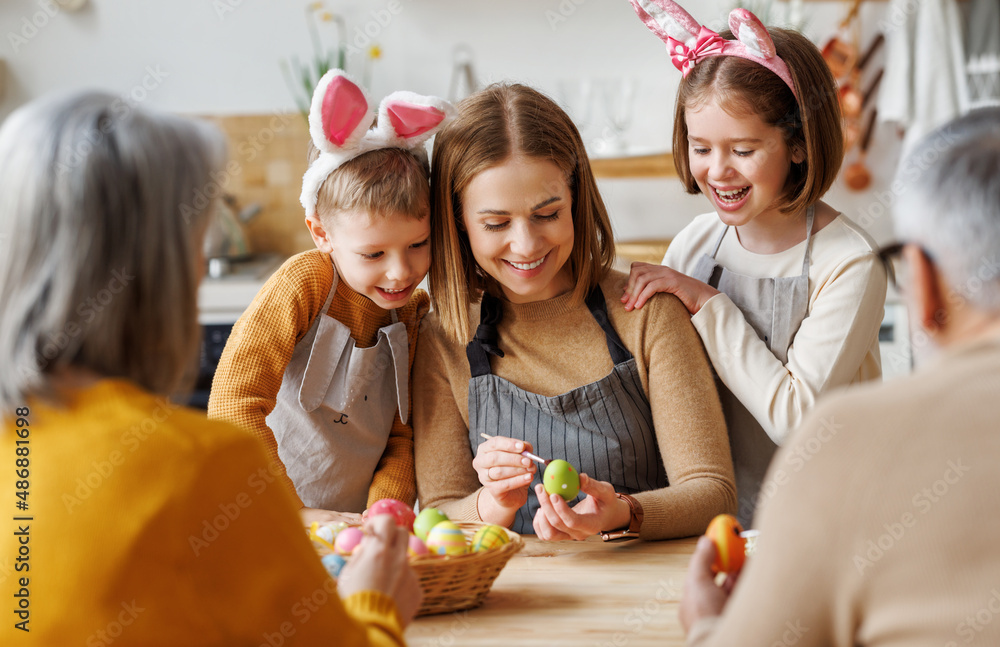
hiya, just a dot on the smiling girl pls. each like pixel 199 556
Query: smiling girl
pixel 786 293
pixel 528 344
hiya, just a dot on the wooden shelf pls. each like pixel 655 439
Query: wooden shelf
pixel 638 166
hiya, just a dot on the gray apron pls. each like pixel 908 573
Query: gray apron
pixel 774 308
pixel 335 409
pixel 604 429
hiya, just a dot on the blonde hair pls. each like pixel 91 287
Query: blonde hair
pixel 811 123
pixel 492 126
pixel 102 211
pixel 384 181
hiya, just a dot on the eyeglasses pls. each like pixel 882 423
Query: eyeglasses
pixel 892 257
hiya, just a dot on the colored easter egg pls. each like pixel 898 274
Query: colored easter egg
pixel 730 547
pixel 446 539
pixel 427 519
pixel 560 478
pixel 488 538
pixel 326 533
pixel 416 547
pixel 402 513
pixel 334 564
pixel 347 540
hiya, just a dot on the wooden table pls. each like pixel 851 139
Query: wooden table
pixel 579 594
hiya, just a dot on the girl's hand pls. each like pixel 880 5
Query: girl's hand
pixel 309 515
pixel 601 510
pixel 505 475
pixel 702 598
pixel 646 279
pixel 380 564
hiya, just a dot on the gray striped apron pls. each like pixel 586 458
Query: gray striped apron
pixel 774 307
pixel 604 429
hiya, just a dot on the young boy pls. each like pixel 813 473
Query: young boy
pixel 318 366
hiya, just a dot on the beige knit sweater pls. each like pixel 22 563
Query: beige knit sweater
pixel 882 525
pixel 554 346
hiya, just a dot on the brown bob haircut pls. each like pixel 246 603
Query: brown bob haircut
pixel 811 123
pixel 384 181
pixel 492 126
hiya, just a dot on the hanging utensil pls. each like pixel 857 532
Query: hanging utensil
pixel 857 176
pixel 463 78
pixel 851 126
pixel 851 96
pixel 841 51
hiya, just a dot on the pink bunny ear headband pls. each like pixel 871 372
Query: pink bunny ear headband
pixel 689 43
pixel 339 121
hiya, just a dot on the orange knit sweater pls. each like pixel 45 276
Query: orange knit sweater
pixel 253 363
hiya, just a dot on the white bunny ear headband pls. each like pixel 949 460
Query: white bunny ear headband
pixel 339 120
pixel 689 43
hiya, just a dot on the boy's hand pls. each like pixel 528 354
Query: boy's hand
pixel 323 517
pixel 646 279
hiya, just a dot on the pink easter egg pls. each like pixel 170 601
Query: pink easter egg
pixel 347 540
pixel 402 513
pixel 416 548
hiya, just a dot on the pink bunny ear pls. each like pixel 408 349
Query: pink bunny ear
pixel 409 120
pixel 340 113
pixel 667 19
pixel 752 33
pixel 755 44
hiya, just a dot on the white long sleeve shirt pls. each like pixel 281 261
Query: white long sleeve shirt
pixel 837 343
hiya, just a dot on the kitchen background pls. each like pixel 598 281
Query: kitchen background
pixel 222 59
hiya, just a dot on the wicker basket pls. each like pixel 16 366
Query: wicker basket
pixel 453 583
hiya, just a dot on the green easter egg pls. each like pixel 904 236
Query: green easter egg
pixel 488 538
pixel 427 519
pixel 560 478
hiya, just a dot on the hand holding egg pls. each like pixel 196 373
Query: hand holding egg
pixel 600 510
pixel 381 564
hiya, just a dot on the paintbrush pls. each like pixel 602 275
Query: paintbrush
pixel 538 459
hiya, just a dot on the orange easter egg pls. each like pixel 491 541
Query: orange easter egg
pixel 730 548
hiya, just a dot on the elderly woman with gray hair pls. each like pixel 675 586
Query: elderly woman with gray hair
pixel 135 517
pixel 881 523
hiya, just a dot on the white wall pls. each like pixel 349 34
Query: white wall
pixel 221 57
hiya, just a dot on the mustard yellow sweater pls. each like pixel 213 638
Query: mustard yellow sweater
pixel 253 363
pixel 151 525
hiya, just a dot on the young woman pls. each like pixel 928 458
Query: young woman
pixel 522 251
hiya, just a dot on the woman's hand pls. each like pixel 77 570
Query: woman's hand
pixel 646 279
pixel 506 477
pixel 703 598
pixel 323 517
pixel 601 510
pixel 380 564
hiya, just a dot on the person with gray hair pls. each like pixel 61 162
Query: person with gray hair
pixel 137 519
pixel 879 526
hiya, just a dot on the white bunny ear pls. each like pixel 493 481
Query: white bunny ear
pixel 407 120
pixel 340 113
pixel 667 19
pixel 752 33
